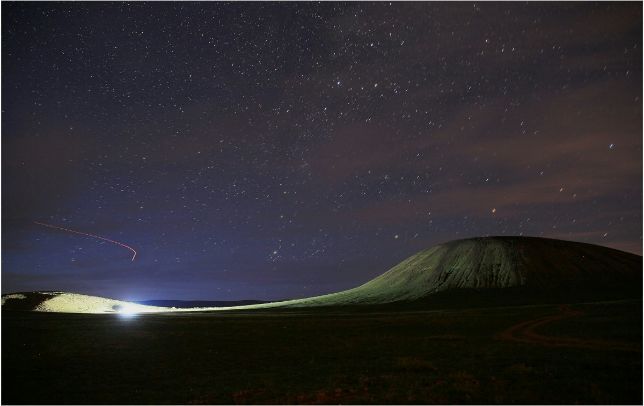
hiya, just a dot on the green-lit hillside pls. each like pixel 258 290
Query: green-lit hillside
pixel 537 264
pixel 492 264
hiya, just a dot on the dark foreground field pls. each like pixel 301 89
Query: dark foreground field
pixel 579 353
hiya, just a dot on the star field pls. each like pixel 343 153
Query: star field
pixel 278 150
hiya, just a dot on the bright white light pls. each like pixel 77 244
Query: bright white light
pixel 128 312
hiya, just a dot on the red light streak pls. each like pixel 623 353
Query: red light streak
pixel 89 235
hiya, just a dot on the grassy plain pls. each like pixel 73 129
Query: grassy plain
pixel 383 354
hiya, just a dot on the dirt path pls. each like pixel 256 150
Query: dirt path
pixel 525 332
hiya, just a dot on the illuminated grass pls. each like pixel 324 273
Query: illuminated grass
pixel 13 296
pixel 542 265
pixel 75 303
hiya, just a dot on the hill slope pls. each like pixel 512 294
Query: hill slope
pixel 538 266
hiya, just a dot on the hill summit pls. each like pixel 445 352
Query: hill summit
pixel 493 263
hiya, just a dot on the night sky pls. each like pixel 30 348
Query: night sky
pixel 278 150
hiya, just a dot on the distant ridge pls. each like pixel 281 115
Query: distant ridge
pixel 200 303
pixel 506 269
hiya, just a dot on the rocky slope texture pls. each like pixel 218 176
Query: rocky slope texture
pixel 479 264
pixel 535 264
